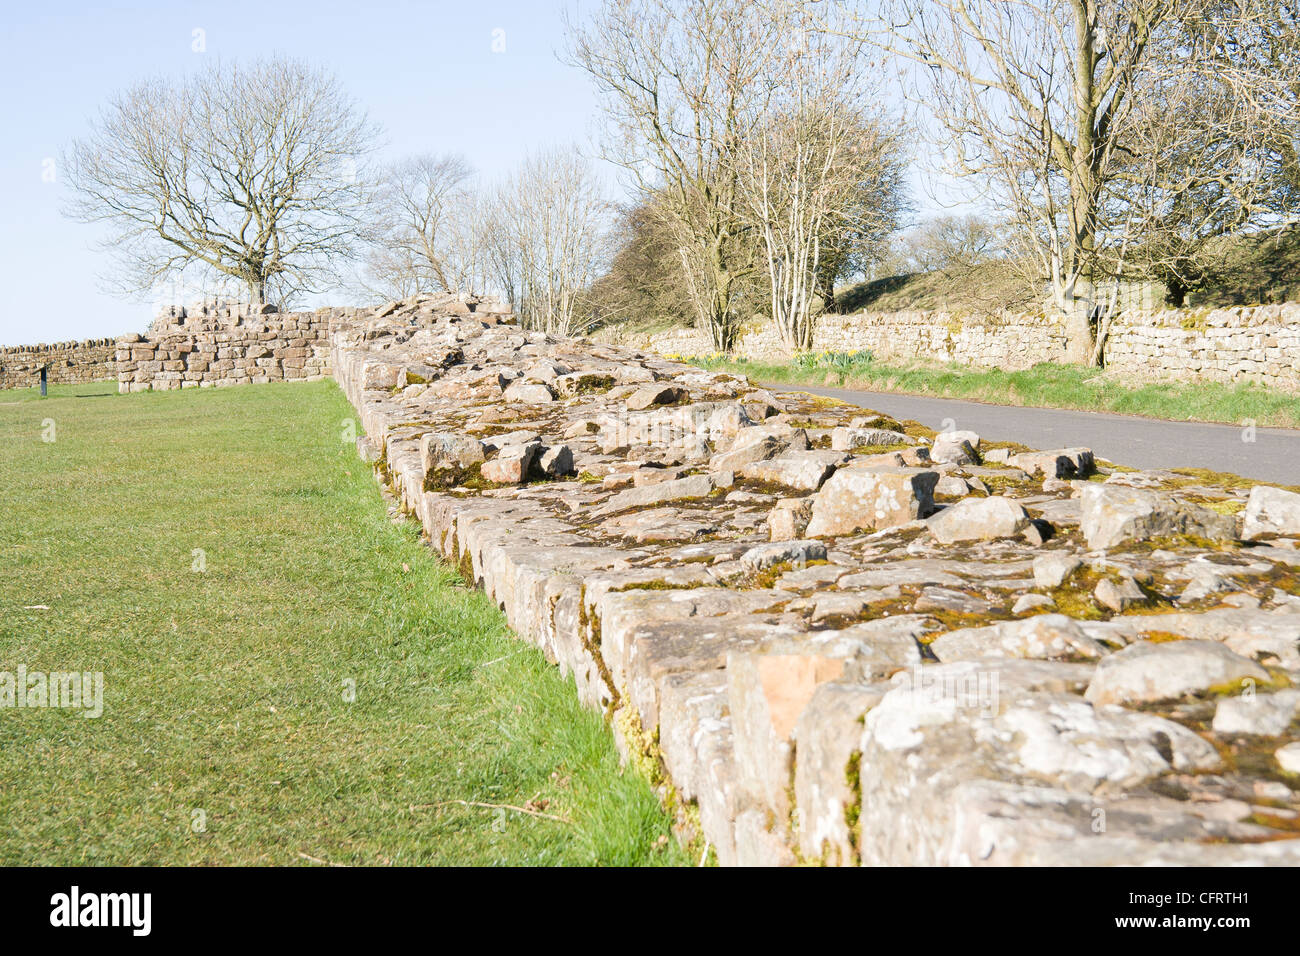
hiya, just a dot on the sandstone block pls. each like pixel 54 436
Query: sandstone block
pixel 800 470
pixel 800 552
pixel 1265 715
pixel 697 486
pixel 1144 672
pixel 827 769
pixel 655 393
pixel 1113 514
pixel 770 446
pixel 1051 570
pixel 528 393
pixel 767 692
pixel 1288 758
pixel 556 461
pixel 1271 511
pixel 862 499
pixel 953 451
pixel 1061 463
pixel 511 465
pixel 850 439
pixel 449 454
pixel 979 519
pixel 789 518
pixel 1042 637
pixel 1119 595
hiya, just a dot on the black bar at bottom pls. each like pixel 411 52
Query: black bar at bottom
pixel 333 906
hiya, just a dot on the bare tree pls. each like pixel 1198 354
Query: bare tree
pixel 419 212
pixel 246 173
pixel 1228 163
pixel 550 239
pixel 469 240
pixel 391 273
pixel 872 212
pixel 1049 102
pixel 681 83
pixel 644 283
pixel 953 245
pixel 1275 48
pixel 817 166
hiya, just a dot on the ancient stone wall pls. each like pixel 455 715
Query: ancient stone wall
pixel 1258 343
pixel 220 350
pixel 1002 341
pixel 68 363
pixel 842 640
pixel 217 345
pixel 1255 344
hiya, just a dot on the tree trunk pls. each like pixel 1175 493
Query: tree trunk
pixel 1078 337
pixel 722 330
pixel 1097 357
pixel 827 293
pixel 721 326
pixel 1074 311
pixel 1083 181
pixel 806 335
pixel 1176 292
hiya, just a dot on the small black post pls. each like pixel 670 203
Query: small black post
pixel 44 372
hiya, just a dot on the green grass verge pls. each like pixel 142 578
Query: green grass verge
pixel 990 287
pixel 226 736
pixel 1045 386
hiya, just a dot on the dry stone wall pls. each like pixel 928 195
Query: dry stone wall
pixel 222 350
pixel 849 640
pixel 1003 341
pixel 67 363
pixel 218 345
pixel 1257 344
pixel 227 345
pixel 1254 344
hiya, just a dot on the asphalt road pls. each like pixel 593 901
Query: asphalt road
pixel 1270 454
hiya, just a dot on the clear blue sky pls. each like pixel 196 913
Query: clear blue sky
pixel 426 71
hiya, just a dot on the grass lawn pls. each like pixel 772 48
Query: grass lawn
pixel 227 562
pixel 1043 386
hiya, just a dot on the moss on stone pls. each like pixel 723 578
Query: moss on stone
pixel 1221 479
pixel 853 809
pixel 881 449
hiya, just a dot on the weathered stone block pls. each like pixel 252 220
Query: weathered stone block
pixel 1146 672
pixel 979 519
pixel 697 486
pixel 656 393
pixel 789 518
pixel 1062 463
pixel 511 465
pixel 446 457
pixel 1113 514
pixel 767 692
pixel 1271 511
pixel 862 499
pixel 800 470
